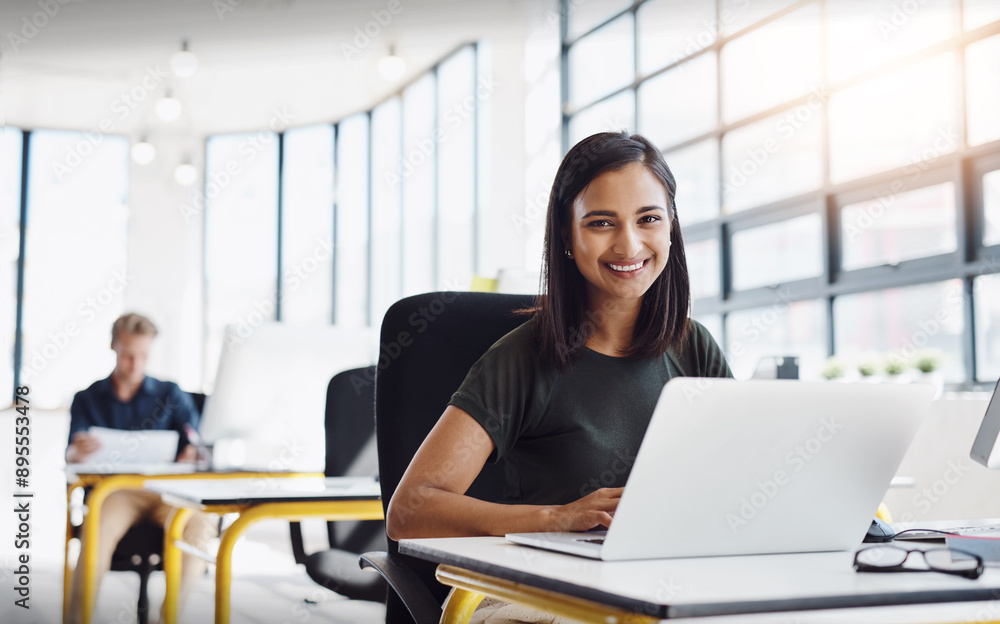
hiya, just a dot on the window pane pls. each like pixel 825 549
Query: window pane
pixel 771 65
pixel 241 237
pixel 696 169
pixel 679 104
pixel 611 115
pixel 602 62
pixel 863 34
pixel 76 272
pixel 352 222
pixel 10 218
pixel 980 12
pixel 780 329
pixel 670 31
pixel 903 321
pixel 991 207
pixel 307 225
pixel 987 294
pixel 778 253
pixel 387 269
pixel 773 158
pixel 713 323
pixel 983 66
pixel 703 268
pixel 582 15
pixel 900 227
pixel 456 162
pixel 418 187
pixel 735 15
pixel 877 125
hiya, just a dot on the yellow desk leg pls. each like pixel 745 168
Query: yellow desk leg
pixel 172 561
pixel 459 606
pixel 87 564
pixel 67 572
pixel 332 510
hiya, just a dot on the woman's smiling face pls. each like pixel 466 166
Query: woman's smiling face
pixel 620 235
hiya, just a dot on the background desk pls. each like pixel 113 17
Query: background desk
pixel 293 499
pixel 104 480
pixel 646 591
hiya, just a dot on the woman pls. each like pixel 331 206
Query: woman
pixel 564 400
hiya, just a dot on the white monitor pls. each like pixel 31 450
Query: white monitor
pixel 985 449
pixel 267 407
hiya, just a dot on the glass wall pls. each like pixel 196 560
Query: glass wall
pixel 75 271
pixel 838 168
pixel 373 207
pixel 11 145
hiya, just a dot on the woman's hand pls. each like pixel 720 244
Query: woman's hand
pixel 593 510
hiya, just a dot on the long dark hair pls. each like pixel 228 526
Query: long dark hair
pixel 562 321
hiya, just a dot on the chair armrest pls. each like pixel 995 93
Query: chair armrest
pixel 407 585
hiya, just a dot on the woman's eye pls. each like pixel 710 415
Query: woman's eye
pixel 649 219
pixel 599 224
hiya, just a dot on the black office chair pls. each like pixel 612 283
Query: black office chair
pixel 411 392
pixel 140 550
pixel 350 451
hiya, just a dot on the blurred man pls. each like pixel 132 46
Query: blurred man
pixel 129 399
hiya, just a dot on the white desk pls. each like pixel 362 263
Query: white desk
pixel 646 591
pixel 260 498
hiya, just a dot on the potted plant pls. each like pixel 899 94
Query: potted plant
pixel 929 363
pixel 895 367
pixel 833 368
pixel 868 366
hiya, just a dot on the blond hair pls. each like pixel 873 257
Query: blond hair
pixel 132 323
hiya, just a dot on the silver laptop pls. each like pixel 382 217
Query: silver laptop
pixel 756 467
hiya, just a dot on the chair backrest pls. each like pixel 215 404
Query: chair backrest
pixel 350 450
pixel 428 344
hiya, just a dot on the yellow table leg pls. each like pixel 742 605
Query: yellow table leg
pixel 329 510
pixel 67 571
pixel 172 561
pixel 459 606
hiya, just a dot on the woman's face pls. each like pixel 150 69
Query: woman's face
pixel 620 235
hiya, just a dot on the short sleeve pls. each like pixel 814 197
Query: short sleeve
pixel 701 355
pixel 501 390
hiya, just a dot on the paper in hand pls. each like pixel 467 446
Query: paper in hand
pixel 144 446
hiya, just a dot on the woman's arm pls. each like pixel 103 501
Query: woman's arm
pixel 430 500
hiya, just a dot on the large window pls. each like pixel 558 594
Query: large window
pixel 241 241
pixel 838 167
pixel 335 222
pixel 75 272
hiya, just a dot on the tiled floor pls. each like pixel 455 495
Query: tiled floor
pixel 268 587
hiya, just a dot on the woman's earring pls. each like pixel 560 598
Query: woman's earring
pixel 569 254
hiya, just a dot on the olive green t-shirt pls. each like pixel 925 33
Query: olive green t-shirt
pixel 560 436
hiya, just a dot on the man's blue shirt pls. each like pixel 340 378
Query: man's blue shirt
pixel 156 405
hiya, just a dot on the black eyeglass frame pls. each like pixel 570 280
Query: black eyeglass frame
pixel 969 574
